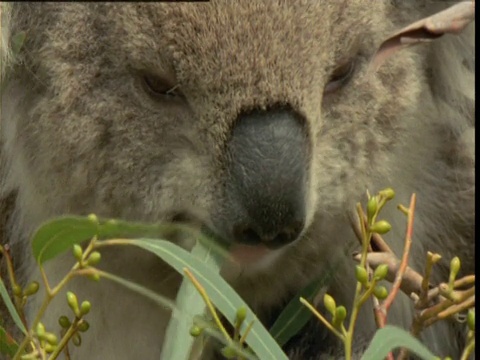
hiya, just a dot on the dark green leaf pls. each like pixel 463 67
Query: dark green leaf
pixel 295 315
pixel 8 346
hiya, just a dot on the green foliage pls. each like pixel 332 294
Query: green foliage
pixel 8 346
pixel 11 308
pixel 295 316
pixel 177 343
pixel 221 294
pixel 204 291
pixel 390 338
pixel 58 236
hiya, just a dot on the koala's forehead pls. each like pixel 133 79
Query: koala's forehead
pixel 225 30
pixel 270 48
pixel 239 39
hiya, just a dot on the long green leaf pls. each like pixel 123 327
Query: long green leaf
pixel 295 315
pixel 390 338
pixel 59 235
pixel 160 300
pixel 178 342
pixel 221 294
pixel 11 308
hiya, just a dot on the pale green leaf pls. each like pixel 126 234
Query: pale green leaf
pixel 220 293
pixel 390 338
pixel 178 341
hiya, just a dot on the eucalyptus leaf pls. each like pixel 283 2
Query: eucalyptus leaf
pixel 178 341
pixel 390 338
pixel 8 346
pixel 220 293
pixel 295 315
pixel 56 236
pixel 59 235
pixel 11 308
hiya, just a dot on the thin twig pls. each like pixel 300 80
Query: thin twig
pixel 321 318
pixel 209 304
pixel 406 251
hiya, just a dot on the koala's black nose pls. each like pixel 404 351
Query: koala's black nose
pixel 268 167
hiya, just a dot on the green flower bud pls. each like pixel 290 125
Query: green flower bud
pixel 340 315
pixel 380 292
pixel 241 314
pixel 83 326
pixel 17 290
pixel 372 206
pixel 31 289
pixel 40 331
pixel 381 227
pixel 94 277
pixel 64 322
pixel 380 272
pixel 85 307
pixel 94 258
pixel 77 252
pixel 73 303
pixel 49 348
pixel 471 319
pixel 455 266
pixel 387 193
pixel 76 339
pixel 93 218
pixel 51 338
pixel 361 274
pixel 329 303
pixel 195 331
pixel 229 352
pixel 434 258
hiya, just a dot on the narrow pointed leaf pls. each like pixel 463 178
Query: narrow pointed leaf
pixel 11 308
pixel 220 293
pixel 178 341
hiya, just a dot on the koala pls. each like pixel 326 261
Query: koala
pixel 258 120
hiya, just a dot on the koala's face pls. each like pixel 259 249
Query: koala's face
pixel 253 117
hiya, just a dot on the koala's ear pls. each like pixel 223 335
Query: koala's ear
pixel 452 20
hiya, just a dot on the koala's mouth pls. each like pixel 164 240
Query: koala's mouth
pixel 240 254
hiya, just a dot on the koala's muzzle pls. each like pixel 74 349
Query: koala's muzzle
pixel 266 184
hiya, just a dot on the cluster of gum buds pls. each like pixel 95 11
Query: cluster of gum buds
pixel 48 343
pixel 72 329
pixel 367 278
pixel 21 295
pixel 432 303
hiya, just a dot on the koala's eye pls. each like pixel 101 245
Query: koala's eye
pixel 157 86
pixel 340 77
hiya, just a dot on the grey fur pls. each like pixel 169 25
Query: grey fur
pixel 78 135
